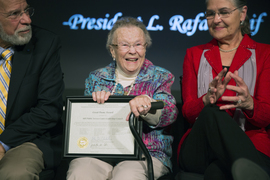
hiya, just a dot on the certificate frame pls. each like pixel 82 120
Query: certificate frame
pixel 68 144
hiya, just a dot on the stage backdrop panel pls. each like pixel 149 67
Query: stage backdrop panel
pixel 173 25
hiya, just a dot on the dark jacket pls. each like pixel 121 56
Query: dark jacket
pixel 34 106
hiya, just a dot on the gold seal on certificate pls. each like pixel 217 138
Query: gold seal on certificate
pixel 82 142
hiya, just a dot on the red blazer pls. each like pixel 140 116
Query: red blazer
pixel 255 124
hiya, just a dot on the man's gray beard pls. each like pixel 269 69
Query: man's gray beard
pixel 16 39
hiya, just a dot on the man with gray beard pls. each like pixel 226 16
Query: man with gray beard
pixel 31 88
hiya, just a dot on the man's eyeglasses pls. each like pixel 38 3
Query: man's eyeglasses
pixel 126 46
pixel 16 15
pixel 209 14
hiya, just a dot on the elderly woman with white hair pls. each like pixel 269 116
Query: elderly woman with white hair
pixel 132 74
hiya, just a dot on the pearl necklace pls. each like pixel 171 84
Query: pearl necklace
pixel 116 79
pixel 228 50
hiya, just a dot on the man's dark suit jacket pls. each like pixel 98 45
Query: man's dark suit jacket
pixel 35 104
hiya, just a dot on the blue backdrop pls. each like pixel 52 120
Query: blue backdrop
pixel 173 25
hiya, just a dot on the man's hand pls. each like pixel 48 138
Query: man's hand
pixel 2 151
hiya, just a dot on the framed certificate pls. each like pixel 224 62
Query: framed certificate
pixel 100 130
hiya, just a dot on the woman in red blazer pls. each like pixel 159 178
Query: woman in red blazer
pixel 226 98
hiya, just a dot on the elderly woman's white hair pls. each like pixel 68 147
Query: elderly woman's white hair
pixel 126 22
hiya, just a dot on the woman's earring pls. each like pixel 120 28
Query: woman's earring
pixel 114 59
pixel 242 23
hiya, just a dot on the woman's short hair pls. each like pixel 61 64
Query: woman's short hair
pixel 245 26
pixel 127 22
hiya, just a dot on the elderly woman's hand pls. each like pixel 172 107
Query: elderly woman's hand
pixel 243 99
pixel 100 96
pixel 140 105
pixel 216 88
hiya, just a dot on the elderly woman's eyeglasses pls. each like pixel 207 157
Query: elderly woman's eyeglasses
pixel 16 15
pixel 126 46
pixel 223 13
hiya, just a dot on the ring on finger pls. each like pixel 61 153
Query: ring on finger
pixel 209 89
pixel 239 101
pixel 144 106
